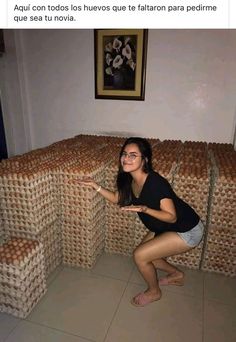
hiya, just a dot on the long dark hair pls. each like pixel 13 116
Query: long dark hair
pixel 124 179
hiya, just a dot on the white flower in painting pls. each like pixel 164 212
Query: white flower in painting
pixel 127 39
pixel 118 61
pixel 116 44
pixel 131 63
pixel 108 58
pixel 108 47
pixel 126 51
pixel 109 71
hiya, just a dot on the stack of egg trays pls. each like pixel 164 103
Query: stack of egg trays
pixel 165 158
pixel 51 239
pixel 22 283
pixel 27 200
pixel 3 235
pixel 82 215
pixel 30 206
pixel 220 250
pixel 119 225
pixel 192 182
pixel 140 231
pixel 120 230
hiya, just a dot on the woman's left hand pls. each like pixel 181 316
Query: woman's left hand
pixel 135 208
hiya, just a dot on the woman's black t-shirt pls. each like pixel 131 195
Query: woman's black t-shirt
pixel 154 190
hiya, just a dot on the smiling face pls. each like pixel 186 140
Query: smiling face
pixel 131 159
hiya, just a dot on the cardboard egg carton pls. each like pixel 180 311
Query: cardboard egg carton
pixel 190 259
pixel 220 259
pixel 120 230
pixel 51 239
pixel 82 254
pixel 140 232
pixel 22 276
pixel 22 306
pixel 18 258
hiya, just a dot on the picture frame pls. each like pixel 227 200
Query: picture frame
pixel 120 63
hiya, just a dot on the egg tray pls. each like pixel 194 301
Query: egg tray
pixel 18 184
pixel 84 232
pixel 84 260
pixel 120 230
pixel 19 309
pixel 82 242
pixel 27 215
pixel 86 194
pixel 220 251
pixel 197 196
pixel 28 206
pixel 198 203
pixel 26 278
pixel 222 235
pixel 140 232
pixel 46 236
pixel 190 259
pixel 119 246
pixel 77 204
pixel 84 235
pixel 43 185
pixel 225 217
pixel 85 225
pixel 24 226
pixel 3 234
pixel 220 259
pixel 24 262
pixel 224 196
pixel 166 170
pixel 92 209
pixel 72 187
pixel 25 176
pixel 72 244
pixel 21 289
pixel 117 233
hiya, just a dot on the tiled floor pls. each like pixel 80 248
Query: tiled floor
pixel 94 305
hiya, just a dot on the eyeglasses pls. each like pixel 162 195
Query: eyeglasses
pixel 131 156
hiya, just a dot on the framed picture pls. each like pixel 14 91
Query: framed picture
pixel 120 63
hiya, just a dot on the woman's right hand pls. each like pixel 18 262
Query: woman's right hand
pixel 88 182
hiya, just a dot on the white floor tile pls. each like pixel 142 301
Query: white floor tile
pixel 30 332
pixel 175 318
pixel 219 287
pixel 80 304
pixel 7 324
pixel 114 266
pixel 193 284
pixel 219 322
pixel 94 305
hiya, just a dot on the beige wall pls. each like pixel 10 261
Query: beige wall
pixel 190 88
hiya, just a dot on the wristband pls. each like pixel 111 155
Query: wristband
pixel 99 188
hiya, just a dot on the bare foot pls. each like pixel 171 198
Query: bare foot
pixel 175 278
pixel 145 298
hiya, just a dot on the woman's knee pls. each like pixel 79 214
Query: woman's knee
pixel 138 255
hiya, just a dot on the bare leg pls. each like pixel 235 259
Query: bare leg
pixel 155 249
pixel 174 275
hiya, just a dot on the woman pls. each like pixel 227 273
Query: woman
pixel 174 226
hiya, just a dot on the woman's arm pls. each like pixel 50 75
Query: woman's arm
pixel 107 194
pixel 166 214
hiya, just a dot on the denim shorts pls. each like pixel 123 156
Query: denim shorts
pixel 194 236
